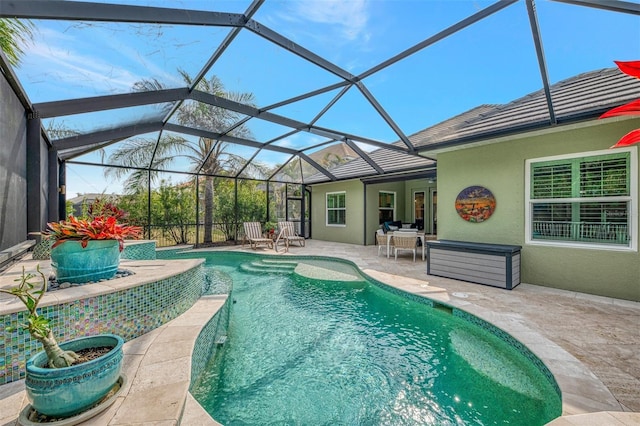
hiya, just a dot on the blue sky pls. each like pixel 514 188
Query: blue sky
pixel 489 62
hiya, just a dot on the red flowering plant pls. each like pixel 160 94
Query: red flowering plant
pixel 101 224
pixel 631 68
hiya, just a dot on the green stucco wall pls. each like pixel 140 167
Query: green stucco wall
pixel 353 232
pixel 500 167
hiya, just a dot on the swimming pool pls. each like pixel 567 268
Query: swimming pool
pixel 311 341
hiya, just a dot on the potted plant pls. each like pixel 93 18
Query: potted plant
pixel 269 228
pixel 88 249
pixel 69 378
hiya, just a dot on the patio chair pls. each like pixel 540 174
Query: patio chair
pixel 288 235
pixel 407 241
pixel 253 234
pixel 381 240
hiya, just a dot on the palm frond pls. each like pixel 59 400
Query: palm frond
pixel 14 34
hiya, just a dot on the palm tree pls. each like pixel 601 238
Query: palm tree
pixel 209 157
pixel 13 34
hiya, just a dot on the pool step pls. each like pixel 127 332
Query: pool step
pixel 293 263
pixel 262 266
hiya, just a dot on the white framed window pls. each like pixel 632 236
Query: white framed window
pixel 386 206
pixel 336 208
pixel 584 200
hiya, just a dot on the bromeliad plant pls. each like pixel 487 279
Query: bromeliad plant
pixel 30 293
pixel 100 224
pixel 84 230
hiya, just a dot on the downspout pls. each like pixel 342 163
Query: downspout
pixel 364 233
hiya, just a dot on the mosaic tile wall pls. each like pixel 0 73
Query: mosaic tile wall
pixel 170 253
pixel 503 335
pixel 140 251
pixel 128 313
pixel 42 250
pixel 206 347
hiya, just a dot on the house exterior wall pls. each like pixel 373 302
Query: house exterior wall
pixel 353 231
pixel 13 168
pixel 500 167
pixel 373 220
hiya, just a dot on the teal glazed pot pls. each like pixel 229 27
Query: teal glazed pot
pixel 65 392
pixel 72 263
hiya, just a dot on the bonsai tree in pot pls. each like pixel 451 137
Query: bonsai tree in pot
pixel 39 327
pixel 59 382
pixel 88 249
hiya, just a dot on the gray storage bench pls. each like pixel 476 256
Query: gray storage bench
pixel 496 265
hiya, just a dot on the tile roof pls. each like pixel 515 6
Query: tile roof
pixel 582 97
pixel 585 96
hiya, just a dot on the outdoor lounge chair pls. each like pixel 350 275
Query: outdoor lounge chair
pixel 253 234
pixel 289 235
pixel 405 241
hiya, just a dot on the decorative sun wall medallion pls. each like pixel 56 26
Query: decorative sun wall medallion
pixel 475 204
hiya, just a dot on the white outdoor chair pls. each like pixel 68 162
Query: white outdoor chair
pixel 407 241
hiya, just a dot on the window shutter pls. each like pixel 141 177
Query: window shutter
pixel 604 177
pixel 551 181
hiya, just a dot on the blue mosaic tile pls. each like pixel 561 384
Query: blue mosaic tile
pixel 170 253
pixel 513 342
pixel 129 313
pixel 206 347
pixel 140 251
pixel 42 250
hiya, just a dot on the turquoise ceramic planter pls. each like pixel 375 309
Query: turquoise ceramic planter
pixel 97 261
pixel 64 392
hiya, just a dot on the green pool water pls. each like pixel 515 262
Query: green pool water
pixel 336 349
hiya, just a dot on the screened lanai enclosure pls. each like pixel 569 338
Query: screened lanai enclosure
pixel 197 116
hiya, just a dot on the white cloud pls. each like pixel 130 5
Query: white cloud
pixel 326 27
pixel 351 16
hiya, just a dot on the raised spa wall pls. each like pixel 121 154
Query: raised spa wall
pixel 157 292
